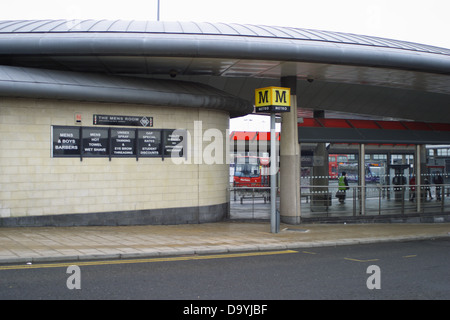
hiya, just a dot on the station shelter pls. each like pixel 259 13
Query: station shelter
pixel 124 122
pixel 388 164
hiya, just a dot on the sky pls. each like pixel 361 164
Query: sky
pixel 425 22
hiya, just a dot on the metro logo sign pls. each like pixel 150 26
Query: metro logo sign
pixel 273 99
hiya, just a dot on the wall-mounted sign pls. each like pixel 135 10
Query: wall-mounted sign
pixel 112 120
pixel 95 142
pixel 117 142
pixel 272 100
pixel 123 142
pixel 173 143
pixel 149 142
pixel 66 141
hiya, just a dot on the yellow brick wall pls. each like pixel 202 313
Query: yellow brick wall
pixel 32 183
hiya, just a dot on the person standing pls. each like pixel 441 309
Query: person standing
pixel 438 181
pixel 412 184
pixel 343 187
pixel 427 189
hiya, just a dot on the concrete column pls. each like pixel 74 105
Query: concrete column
pixel 290 159
pixel 320 198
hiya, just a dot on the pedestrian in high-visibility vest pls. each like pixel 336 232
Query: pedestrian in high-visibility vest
pixel 343 187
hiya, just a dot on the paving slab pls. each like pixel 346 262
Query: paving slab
pixel 39 244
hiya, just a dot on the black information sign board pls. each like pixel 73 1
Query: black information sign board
pixel 95 142
pixel 149 142
pixel 173 143
pixel 117 142
pixel 110 120
pixel 66 141
pixel 123 142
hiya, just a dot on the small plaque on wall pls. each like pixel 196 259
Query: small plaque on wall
pixel 111 120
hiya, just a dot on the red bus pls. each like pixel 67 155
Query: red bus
pixel 250 174
pixel 334 160
pixel 251 171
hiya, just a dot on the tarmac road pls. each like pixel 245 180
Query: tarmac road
pixel 407 270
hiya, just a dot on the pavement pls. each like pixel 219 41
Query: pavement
pixel 51 244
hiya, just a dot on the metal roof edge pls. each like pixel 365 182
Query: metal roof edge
pixel 377 136
pixel 167 41
pixel 50 84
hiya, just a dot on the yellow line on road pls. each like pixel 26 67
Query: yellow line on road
pixel 357 260
pixel 147 260
pixel 410 256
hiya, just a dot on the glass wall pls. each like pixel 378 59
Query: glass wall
pixel 389 185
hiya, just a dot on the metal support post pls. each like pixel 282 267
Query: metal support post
pixel 362 177
pixel 379 201
pixel 157 11
pixel 418 179
pixel 274 219
pixel 403 199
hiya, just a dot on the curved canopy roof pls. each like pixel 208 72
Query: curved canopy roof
pixel 53 84
pixel 346 72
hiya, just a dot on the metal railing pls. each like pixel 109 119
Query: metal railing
pixel 321 201
pixel 374 199
pixel 250 203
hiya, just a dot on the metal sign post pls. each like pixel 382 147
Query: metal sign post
pixel 157 11
pixel 274 219
pixel 272 100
